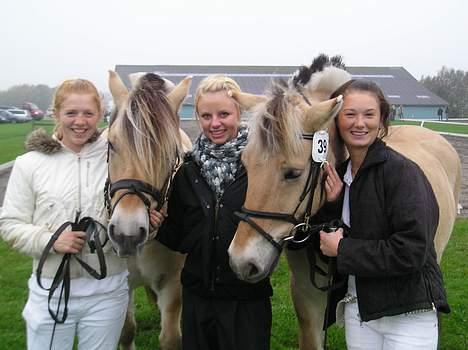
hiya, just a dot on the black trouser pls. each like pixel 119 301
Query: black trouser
pixel 217 324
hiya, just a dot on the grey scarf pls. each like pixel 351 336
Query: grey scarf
pixel 219 163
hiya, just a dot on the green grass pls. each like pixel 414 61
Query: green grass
pixel 15 269
pixel 440 127
pixel 12 137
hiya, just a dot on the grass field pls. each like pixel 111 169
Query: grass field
pixel 15 270
pixel 437 126
pixel 12 136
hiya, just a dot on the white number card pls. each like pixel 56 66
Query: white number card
pixel 320 146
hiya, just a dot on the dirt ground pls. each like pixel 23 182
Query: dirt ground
pixel 192 129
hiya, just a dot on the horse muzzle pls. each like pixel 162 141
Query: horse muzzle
pixel 129 243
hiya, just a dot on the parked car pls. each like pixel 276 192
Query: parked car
pixel 33 110
pixel 5 116
pixel 19 115
pixel 50 112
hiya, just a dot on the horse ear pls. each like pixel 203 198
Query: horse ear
pixel 178 94
pixel 117 88
pixel 247 101
pixel 320 113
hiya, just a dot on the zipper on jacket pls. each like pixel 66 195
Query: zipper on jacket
pixel 216 210
pixel 217 206
pixel 78 213
pixel 79 184
pixel 88 165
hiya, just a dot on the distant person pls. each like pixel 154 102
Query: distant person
pixel 440 113
pixel 393 112
pixel 446 112
pixel 61 179
pixel 400 112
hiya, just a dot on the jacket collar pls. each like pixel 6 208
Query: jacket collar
pixel 39 140
pixel 377 153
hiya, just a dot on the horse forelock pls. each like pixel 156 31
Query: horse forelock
pixel 149 132
pixel 277 125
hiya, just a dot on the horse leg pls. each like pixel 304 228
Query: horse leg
pixel 309 302
pixel 169 301
pixel 152 297
pixel 127 336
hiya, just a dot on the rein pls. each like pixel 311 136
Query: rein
pixel 62 275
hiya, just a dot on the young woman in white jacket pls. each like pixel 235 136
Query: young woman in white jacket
pixel 61 179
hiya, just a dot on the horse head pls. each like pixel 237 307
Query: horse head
pixel 284 182
pixel 144 148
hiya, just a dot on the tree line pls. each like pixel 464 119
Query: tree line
pixel 41 95
pixel 452 86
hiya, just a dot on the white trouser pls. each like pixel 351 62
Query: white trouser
pixel 400 332
pixel 96 320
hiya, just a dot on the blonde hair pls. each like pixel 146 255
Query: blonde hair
pixel 216 83
pixel 73 86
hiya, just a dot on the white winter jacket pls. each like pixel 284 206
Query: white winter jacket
pixel 47 187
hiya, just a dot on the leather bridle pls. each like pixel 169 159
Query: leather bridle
pixel 301 225
pixel 143 190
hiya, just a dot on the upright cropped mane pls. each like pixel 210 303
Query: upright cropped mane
pixel 277 125
pixel 148 128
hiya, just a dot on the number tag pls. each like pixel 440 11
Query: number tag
pixel 320 146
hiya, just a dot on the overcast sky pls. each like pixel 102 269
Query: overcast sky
pixel 47 41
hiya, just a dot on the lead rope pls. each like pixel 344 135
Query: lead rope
pixel 62 275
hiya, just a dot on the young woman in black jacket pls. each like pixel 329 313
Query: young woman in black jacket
pixel 394 284
pixel 219 310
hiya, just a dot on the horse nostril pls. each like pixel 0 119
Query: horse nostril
pixel 253 270
pixel 111 230
pixel 142 237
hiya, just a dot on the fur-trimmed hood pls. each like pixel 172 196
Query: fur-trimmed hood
pixel 39 140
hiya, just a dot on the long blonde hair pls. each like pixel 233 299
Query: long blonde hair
pixel 73 86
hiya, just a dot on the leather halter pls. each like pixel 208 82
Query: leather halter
pixel 141 189
pixel 300 224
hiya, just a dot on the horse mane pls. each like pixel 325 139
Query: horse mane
pixel 277 125
pixel 304 74
pixel 148 129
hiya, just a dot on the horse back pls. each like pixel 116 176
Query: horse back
pixel 440 163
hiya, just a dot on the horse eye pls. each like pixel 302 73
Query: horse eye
pixel 291 174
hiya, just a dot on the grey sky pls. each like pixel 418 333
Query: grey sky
pixel 47 41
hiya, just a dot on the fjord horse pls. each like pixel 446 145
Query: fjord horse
pixel 285 185
pixel 145 144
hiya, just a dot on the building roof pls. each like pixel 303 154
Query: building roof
pixel 399 86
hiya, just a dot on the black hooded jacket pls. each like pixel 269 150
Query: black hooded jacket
pixel 394 217
pixel 202 227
